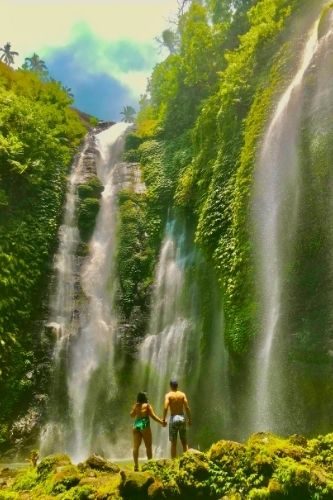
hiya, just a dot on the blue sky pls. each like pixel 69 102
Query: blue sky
pixel 104 50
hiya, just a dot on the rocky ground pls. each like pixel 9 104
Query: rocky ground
pixel 266 466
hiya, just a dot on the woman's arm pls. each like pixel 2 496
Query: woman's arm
pixel 152 414
pixel 133 410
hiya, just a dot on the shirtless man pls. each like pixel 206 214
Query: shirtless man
pixel 176 401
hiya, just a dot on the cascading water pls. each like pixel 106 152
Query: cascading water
pixel 163 351
pixel 88 338
pixel 63 303
pixel 173 346
pixel 276 200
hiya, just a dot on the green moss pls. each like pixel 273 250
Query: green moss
pixel 26 480
pixel 49 464
pixel 89 194
pixel 266 466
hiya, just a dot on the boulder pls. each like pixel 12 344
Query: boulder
pixel 102 464
pixel 134 485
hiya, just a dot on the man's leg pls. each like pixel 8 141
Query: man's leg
pixel 147 438
pixel 137 438
pixel 183 437
pixel 174 448
pixel 173 431
pixel 184 444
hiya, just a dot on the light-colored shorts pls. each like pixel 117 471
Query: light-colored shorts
pixel 177 424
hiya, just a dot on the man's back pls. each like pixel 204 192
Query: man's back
pixel 176 402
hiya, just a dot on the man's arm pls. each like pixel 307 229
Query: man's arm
pixel 187 410
pixel 166 407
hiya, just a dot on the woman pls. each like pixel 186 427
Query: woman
pixel 141 428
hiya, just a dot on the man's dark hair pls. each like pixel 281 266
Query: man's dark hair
pixel 142 398
pixel 173 384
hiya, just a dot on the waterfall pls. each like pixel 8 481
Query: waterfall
pixel 163 351
pixel 86 321
pixel 173 346
pixel 276 205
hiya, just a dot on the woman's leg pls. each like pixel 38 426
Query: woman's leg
pixel 147 438
pixel 137 438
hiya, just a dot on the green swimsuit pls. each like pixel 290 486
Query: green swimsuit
pixel 141 423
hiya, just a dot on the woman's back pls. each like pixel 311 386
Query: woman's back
pixel 141 410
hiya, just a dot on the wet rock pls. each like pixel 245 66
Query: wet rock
pixel 99 463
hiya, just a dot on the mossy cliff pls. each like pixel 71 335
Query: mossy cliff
pixel 266 466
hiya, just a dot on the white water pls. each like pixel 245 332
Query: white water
pixel 98 322
pixel 164 350
pixel 276 197
pixel 62 302
pixel 91 336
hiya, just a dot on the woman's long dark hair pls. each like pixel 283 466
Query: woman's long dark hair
pixel 142 398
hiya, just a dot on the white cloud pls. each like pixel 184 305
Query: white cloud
pixel 33 25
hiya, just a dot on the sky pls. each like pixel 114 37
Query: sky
pixel 104 50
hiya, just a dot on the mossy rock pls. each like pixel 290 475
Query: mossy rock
pixel 135 484
pixel 65 478
pixel 25 480
pixel 193 476
pixel 88 210
pixel 230 453
pixel 101 464
pixel 79 493
pixel 163 491
pixel 106 486
pixel 50 464
pixel 265 443
pixel 9 495
pixel 259 494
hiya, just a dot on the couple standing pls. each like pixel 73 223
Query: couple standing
pixel 176 402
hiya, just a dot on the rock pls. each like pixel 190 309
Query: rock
pixel 25 426
pixel 51 464
pixel 156 491
pixel 222 450
pixel 298 440
pixel 99 463
pixel 135 485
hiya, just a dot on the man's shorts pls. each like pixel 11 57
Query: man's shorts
pixel 177 424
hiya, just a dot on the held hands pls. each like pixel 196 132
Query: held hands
pixel 164 423
pixel 189 422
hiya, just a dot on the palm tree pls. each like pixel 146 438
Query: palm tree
pixel 8 55
pixel 128 113
pixel 35 64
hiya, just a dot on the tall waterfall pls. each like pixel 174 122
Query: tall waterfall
pixel 163 351
pixel 172 347
pixel 276 205
pixel 86 332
